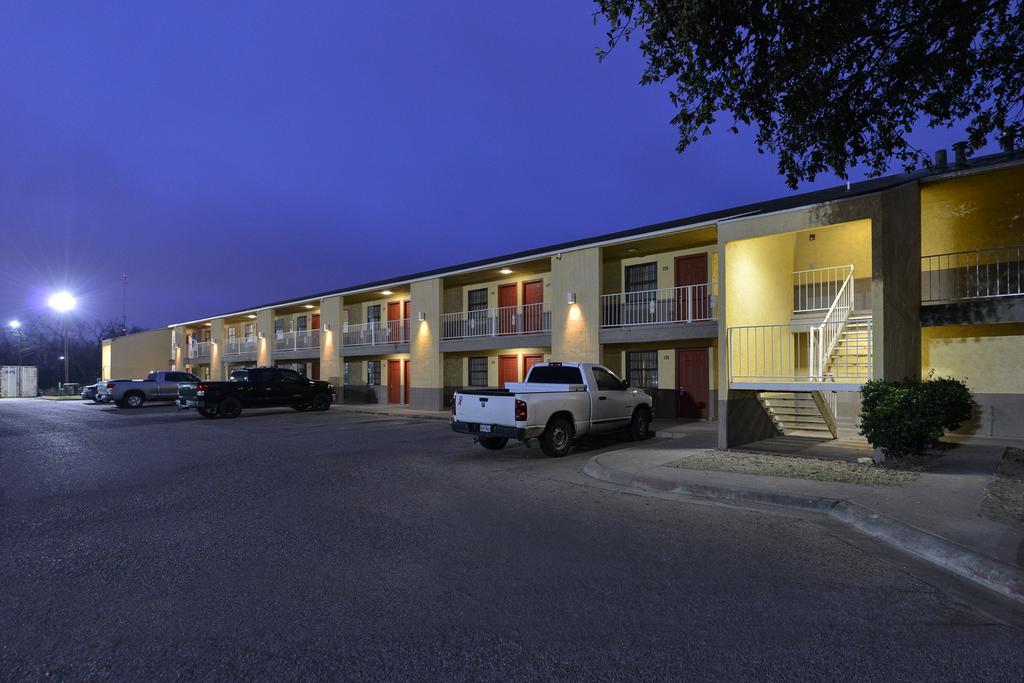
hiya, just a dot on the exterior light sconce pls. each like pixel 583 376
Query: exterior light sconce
pixel 262 335
pixel 571 298
pixel 327 326
pixel 421 316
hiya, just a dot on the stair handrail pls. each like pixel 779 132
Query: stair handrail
pixel 831 327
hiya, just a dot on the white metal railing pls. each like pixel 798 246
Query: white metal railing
pixel 688 303
pixel 816 289
pixel 977 274
pixel 507 320
pixel 199 350
pixel 238 345
pixel 383 332
pixel 297 341
pixel 783 353
pixel 826 335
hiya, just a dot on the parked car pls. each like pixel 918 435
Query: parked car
pixel 256 388
pixel 103 393
pixel 89 392
pixel 158 386
pixel 557 403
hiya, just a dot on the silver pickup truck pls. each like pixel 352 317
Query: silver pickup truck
pixel 158 386
pixel 557 403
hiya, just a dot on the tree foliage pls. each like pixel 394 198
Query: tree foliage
pixel 830 84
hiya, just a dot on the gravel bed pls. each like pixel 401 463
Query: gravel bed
pixel 798 468
pixel 1004 496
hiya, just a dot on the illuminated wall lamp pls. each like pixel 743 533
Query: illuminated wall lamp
pixel 421 316
pixel 571 298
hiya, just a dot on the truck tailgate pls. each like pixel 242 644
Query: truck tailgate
pixel 486 408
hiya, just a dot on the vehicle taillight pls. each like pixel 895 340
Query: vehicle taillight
pixel 200 390
pixel 520 411
pixel 110 385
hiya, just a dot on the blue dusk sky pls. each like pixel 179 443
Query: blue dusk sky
pixel 226 154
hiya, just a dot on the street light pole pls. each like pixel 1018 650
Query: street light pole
pixel 64 325
pixel 15 326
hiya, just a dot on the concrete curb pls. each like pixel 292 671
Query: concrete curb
pixel 992 574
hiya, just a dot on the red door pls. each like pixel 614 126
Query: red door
pixel 694 302
pixel 315 370
pixel 529 362
pixel 507 299
pixel 533 298
pixel 316 321
pixel 394 381
pixel 692 393
pixel 406 319
pixel 405 382
pixel 394 321
pixel 508 370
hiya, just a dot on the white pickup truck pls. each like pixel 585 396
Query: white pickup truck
pixel 557 403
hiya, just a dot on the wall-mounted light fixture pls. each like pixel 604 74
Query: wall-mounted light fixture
pixel 262 335
pixel 505 271
pixel 387 292
pixel 251 316
pixel 571 298
pixel 309 306
pixel 327 326
pixel 421 316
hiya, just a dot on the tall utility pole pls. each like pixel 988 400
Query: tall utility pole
pixel 124 303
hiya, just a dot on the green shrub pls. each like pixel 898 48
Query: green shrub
pixel 911 416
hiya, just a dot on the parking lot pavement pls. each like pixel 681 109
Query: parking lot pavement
pixel 157 544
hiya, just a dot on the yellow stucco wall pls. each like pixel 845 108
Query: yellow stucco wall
pixel 330 339
pixel 759 280
pixel 984 210
pixel 492 288
pixel 105 360
pixel 426 370
pixel 667 265
pixel 574 327
pixel 136 355
pixel 835 245
pixel 616 359
pixel 988 357
pixel 457 366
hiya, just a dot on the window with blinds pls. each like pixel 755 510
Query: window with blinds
pixel 642 368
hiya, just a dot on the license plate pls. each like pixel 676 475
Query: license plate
pixel 485 428
pixel 187 404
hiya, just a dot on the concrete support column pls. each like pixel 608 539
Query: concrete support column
pixel 179 350
pixel 896 284
pixel 264 336
pixel 575 326
pixel 426 372
pixel 217 349
pixel 331 339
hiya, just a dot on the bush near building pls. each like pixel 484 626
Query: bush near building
pixel 910 416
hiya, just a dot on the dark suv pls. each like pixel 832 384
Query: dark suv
pixel 256 388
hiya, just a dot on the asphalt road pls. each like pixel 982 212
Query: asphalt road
pixel 155 545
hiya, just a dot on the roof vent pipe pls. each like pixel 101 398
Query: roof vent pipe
pixel 960 152
pixel 940 159
pixel 1008 141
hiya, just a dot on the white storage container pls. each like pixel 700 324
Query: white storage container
pixel 18 381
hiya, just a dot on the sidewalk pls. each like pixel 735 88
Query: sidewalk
pixel 392 411
pixel 934 517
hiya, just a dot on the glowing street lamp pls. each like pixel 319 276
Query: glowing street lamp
pixel 62 302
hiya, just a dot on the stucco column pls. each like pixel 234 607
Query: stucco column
pixel 575 326
pixel 179 351
pixel 426 372
pixel 217 349
pixel 896 284
pixel 330 340
pixel 264 336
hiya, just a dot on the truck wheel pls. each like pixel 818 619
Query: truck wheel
pixel 207 413
pixel 134 400
pixel 321 402
pixel 640 424
pixel 556 440
pixel 493 443
pixel 230 407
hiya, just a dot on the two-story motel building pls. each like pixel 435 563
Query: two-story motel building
pixel 767 318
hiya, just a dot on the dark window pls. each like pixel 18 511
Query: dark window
pixel 373 315
pixel 373 372
pixel 642 277
pixel 478 371
pixel 279 325
pixel 477 299
pixel 261 376
pixel 189 377
pixel 290 377
pixel 239 376
pixel 300 323
pixel 606 381
pixel 555 374
pixel 344 374
pixel 642 368
pixel 176 377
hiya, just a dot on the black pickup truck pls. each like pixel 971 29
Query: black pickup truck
pixel 256 388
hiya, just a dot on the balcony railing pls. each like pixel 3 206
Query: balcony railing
pixel 816 289
pixel 977 274
pixel 235 346
pixel 199 350
pixel 686 304
pixel 370 334
pixel 297 341
pixel 492 322
pixel 790 353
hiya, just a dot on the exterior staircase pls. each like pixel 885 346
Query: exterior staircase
pixel 799 412
pixel 851 356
